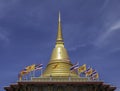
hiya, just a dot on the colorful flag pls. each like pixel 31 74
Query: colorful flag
pixel 93 72
pixel 76 66
pixel 88 72
pixel 38 67
pixel 87 69
pixel 22 73
pixel 82 68
pixel 30 68
pixel 94 75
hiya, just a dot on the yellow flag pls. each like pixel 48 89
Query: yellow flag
pixel 23 72
pixel 82 68
pixel 89 72
pixel 96 76
pixel 30 68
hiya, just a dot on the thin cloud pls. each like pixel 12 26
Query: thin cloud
pixel 4 36
pixel 6 6
pixel 103 39
pixel 104 5
pixel 115 50
pixel 115 26
pixel 77 47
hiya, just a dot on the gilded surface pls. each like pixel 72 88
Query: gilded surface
pixel 60 79
pixel 59 64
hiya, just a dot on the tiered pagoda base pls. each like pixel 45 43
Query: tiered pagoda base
pixel 59 84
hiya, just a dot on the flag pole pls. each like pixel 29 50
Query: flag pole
pixel 20 78
pixel 33 73
pixel 77 69
pixel 41 72
pixel 30 75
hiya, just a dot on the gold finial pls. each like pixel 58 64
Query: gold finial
pixel 59 34
pixel 59 17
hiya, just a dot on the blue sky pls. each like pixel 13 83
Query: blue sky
pixel 91 31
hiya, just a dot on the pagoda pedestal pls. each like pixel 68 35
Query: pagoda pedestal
pixel 60 84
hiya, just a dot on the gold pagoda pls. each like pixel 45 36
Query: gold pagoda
pixel 57 75
pixel 59 64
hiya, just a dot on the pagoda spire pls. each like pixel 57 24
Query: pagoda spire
pixel 59 64
pixel 59 39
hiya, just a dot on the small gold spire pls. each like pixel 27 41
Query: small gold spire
pixel 59 52
pixel 59 34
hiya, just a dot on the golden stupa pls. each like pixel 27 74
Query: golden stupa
pixel 59 64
